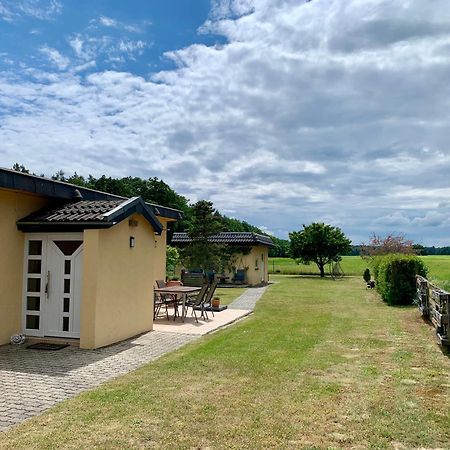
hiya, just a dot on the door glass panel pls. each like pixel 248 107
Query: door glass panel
pixel 66 286
pixel 66 305
pixel 33 304
pixel 67 267
pixel 35 247
pixel 68 247
pixel 34 285
pixel 34 266
pixel 65 324
pixel 32 322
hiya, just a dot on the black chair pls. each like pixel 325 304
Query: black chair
pixel 197 302
pixel 209 297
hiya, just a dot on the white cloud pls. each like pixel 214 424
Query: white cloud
pixel 312 111
pixel 11 10
pixel 60 61
pixel 114 23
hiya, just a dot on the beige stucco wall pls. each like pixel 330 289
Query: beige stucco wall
pixel 117 295
pixel 13 206
pixel 257 263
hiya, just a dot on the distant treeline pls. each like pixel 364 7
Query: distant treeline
pixel 419 249
pixel 435 251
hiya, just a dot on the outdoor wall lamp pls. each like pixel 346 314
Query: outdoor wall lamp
pixel 132 242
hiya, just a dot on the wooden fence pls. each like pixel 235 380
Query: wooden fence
pixel 434 303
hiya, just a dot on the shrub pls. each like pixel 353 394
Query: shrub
pixel 396 277
pixel 366 275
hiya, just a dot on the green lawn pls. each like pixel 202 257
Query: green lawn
pixel 321 364
pixel 351 265
pixel 228 295
pixel 439 267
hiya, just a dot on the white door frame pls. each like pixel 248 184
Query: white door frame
pixel 39 300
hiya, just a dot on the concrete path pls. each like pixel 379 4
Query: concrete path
pixel 32 381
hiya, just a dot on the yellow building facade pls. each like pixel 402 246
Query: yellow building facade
pixel 77 264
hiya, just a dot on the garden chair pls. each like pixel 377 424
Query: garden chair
pixel 165 300
pixel 209 297
pixel 197 302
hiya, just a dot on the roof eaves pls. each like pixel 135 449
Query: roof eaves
pixel 18 181
pixel 131 206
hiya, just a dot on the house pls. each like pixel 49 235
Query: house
pixel 77 263
pixel 249 265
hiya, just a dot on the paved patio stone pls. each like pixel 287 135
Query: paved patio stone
pixel 32 381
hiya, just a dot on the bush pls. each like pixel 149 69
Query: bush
pixel 366 275
pixel 396 277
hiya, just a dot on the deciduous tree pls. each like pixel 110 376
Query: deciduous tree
pixel 319 243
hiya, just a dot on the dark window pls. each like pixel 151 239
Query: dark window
pixel 66 286
pixel 65 324
pixel 34 266
pixel 33 303
pixel 34 285
pixel 67 267
pixel 35 247
pixel 68 247
pixel 66 305
pixel 32 322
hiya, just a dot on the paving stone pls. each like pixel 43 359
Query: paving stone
pixel 32 381
pixel 248 299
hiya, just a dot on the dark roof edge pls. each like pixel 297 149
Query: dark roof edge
pixel 11 179
pixel 60 226
pixel 131 206
pixel 258 239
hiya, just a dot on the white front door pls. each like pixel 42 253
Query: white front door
pixel 52 285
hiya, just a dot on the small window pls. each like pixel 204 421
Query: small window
pixel 65 324
pixel 68 247
pixel 67 267
pixel 35 248
pixel 34 285
pixel 66 286
pixel 32 322
pixel 33 304
pixel 34 266
pixel 66 305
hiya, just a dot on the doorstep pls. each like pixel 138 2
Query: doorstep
pixel 52 340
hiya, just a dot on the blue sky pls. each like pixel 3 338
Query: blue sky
pixel 131 36
pixel 282 112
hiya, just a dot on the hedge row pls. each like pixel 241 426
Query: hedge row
pixel 395 277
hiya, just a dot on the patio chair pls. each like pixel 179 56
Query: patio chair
pixel 209 297
pixel 158 303
pixel 197 302
pixel 165 300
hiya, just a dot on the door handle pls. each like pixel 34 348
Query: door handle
pixel 47 285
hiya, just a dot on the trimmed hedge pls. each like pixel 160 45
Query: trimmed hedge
pixel 395 275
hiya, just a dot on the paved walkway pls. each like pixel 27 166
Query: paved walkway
pixel 249 298
pixel 32 381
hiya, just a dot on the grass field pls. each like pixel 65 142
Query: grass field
pixel 439 267
pixel 321 364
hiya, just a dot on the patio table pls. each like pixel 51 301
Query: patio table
pixel 183 290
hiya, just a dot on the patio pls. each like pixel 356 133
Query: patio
pixel 203 326
pixel 32 381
